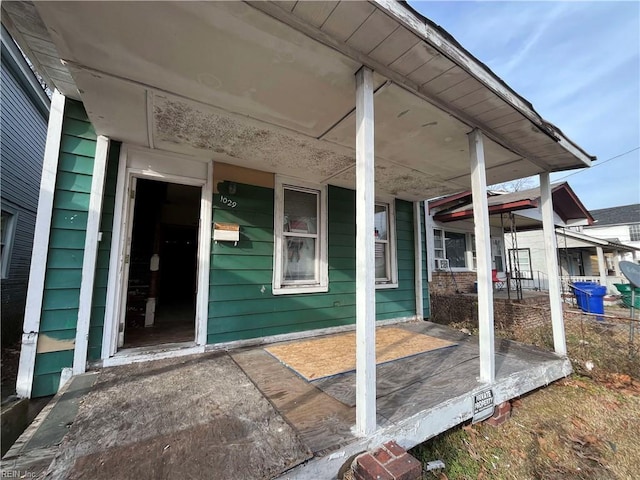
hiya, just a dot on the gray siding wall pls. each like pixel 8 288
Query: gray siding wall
pixel 23 132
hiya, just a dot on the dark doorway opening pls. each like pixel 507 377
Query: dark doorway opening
pixel 161 293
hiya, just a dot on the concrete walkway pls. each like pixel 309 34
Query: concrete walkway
pixel 190 417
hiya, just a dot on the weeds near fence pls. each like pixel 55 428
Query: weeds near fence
pixel 597 345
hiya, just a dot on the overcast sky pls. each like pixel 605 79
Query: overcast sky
pixel 578 63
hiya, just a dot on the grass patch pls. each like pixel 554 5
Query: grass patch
pixel 575 428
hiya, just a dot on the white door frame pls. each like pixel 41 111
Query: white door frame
pixel 135 163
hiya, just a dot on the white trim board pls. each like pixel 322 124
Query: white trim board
pixel 37 272
pixel 127 357
pixel 204 257
pixel 110 331
pixel 285 337
pixel 90 255
pixel 157 352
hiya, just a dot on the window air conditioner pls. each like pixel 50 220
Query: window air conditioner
pixel 442 264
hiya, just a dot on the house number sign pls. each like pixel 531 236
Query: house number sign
pixel 483 405
pixel 227 201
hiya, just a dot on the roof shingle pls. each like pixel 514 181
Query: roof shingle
pixel 617 215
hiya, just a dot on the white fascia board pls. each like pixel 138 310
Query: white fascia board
pixel 582 236
pixel 468 63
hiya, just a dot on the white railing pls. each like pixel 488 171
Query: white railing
pixel 530 280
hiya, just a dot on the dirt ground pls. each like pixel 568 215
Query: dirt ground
pixel 576 428
pixel 9 360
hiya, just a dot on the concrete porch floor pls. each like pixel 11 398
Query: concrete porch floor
pixel 418 398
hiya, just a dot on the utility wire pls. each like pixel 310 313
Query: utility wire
pixel 598 164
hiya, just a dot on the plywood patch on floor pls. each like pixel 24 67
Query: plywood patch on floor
pixel 335 354
pixel 323 422
pixel 188 418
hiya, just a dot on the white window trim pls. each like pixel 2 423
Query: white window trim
pixel 468 255
pixel 392 282
pixel 9 236
pixel 322 285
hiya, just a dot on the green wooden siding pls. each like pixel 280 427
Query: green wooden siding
pixel 99 299
pixel 241 302
pixel 66 245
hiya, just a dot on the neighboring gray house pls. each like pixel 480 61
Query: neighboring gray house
pixel 24 110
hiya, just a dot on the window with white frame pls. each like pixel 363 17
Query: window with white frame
pixel 453 246
pixel 386 269
pixel 496 253
pixel 300 259
pixel 634 232
pixel 438 242
pixel 7 230
pixel 520 263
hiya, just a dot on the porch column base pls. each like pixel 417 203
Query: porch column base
pixel 389 462
pixel 501 414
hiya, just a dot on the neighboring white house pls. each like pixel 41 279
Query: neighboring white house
pixel 580 256
pixel 450 227
pixel 619 225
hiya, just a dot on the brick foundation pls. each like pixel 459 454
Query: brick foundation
pixel 389 462
pixel 501 414
pixel 455 308
pixel 447 282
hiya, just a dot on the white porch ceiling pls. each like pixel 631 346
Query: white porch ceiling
pixel 227 81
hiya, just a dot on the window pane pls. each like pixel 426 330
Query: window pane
pixel 300 212
pixel 381 222
pixel 456 246
pixel 437 239
pixel 298 258
pixel 4 225
pixel 381 261
pixel 521 263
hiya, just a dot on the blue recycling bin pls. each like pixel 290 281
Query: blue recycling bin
pixel 580 290
pixel 590 296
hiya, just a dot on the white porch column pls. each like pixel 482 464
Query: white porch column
pixel 483 253
pixel 602 266
pixel 616 262
pixel 551 249
pixel 365 269
pixel 40 251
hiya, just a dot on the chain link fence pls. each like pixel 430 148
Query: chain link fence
pixel 597 345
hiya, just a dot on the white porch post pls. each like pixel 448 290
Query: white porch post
pixel 483 253
pixel 549 234
pixel 602 266
pixel 616 263
pixel 90 255
pixel 40 251
pixel 365 270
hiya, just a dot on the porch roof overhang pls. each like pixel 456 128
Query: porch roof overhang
pixel 580 240
pixel 568 208
pixel 270 86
